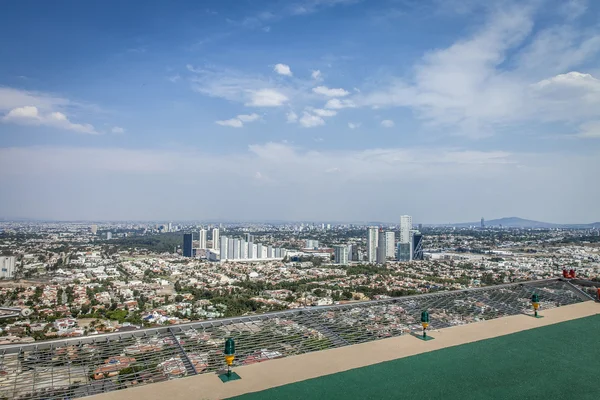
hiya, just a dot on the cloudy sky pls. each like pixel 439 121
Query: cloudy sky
pixel 338 110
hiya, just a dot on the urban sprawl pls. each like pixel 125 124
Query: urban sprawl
pixel 62 280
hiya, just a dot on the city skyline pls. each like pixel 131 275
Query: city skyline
pixel 178 113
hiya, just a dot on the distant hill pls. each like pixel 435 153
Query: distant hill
pixel 516 222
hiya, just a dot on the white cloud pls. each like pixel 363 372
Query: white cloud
pixel 486 81
pixel 12 98
pixel 353 125
pixel 292 117
pixel 316 75
pixel 248 117
pixel 311 6
pixel 574 9
pixel 337 104
pixel 323 113
pixel 117 129
pixel 574 79
pixel 30 115
pixel 43 109
pixel 310 120
pixel 325 91
pixel 589 130
pixel 387 123
pixel 266 98
pixel 174 78
pixel 238 122
pixel 283 69
pixel 250 90
pixel 233 122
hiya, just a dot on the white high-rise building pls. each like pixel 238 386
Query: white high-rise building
pixel 7 266
pixel 259 251
pixel 202 244
pixel 243 249
pixel 341 254
pixel 108 235
pixel 390 244
pixel 215 239
pixel 230 248
pixel 252 250
pixel 405 227
pixel 372 238
pixel 237 250
pixel 94 229
pixel 170 227
pixel 224 247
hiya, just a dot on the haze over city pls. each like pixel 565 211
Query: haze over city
pixel 336 110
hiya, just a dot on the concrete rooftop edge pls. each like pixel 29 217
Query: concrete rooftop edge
pixel 278 372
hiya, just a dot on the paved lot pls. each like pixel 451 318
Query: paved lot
pixel 560 361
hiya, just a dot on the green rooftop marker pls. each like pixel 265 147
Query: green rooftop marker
pixel 229 357
pixel 535 302
pixel 425 324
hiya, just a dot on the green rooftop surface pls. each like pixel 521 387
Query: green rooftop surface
pixel 560 361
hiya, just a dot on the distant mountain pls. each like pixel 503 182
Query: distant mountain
pixel 516 222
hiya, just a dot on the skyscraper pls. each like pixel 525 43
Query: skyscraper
pixel 482 223
pixel 108 235
pixel 215 239
pixel 230 249
pixel 202 239
pixel 390 240
pixel 381 247
pixel 94 229
pixel 405 227
pixel 237 249
pixel 372 244
pixel 341 254
pixel 187 245
pixel 243 249
pixel 417 246
pixel 223 247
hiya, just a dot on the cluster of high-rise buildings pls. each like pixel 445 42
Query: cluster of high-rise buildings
pixel 382 246
pixel 188 242
pixel 246 249
pixel 410 245
pixel 228 248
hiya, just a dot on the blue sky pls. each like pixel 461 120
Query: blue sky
pixel 309 109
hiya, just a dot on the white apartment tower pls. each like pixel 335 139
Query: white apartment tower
pixel 390 244
pixel 341 254
pixel 215 239
pixel 405 228
pixel 202 241
pixel 224 247
pixel 372 239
